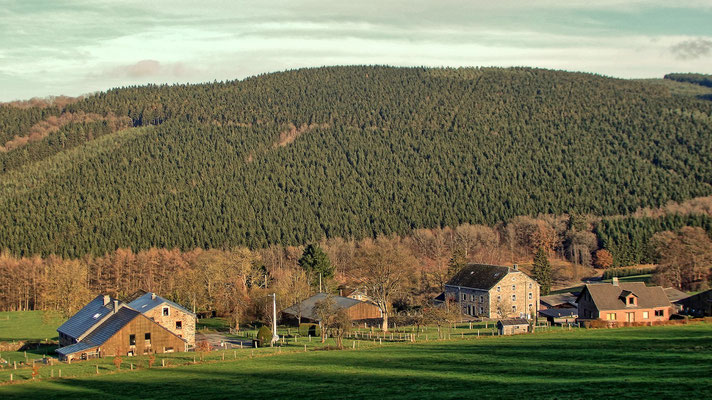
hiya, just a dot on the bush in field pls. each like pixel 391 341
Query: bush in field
pixel 264 335
pixel 117 362
pixel 307 329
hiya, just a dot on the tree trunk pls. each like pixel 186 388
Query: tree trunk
pixel 385 321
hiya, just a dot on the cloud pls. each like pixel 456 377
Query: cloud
pixel 692 49
pixel 150 69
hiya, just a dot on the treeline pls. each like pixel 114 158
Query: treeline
pixel 629 239
pixel 697 79
pixel 235 282
pixel 386 150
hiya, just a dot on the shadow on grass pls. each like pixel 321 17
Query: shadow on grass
pixel 625 363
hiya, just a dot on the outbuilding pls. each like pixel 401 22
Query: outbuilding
pixel 512 326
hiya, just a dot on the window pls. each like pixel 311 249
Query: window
pixel 482 310
pixel 514 308
pixel 482 299
pixel 179 324
pixel 530 285
pixel 499 288
pixel 513 279
pixel 646 315
pixel 530 295
pixel 659 313
pixel 97 315
pixel 166 311
pixel 611 316
pixel 631 300
pixel 499 298
pixel 132 340
pixel 147 338
pixel 514 297
pixel 514 287
pixel 531 306
pixel 168 349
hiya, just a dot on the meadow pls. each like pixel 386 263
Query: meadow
pixel 645 362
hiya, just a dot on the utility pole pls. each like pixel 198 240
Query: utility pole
pixel 320 283
pixel 275 337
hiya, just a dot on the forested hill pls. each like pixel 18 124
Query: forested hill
pixel 343 151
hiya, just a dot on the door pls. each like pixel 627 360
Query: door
pixel 630 317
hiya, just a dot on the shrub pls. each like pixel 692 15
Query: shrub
pixel 264 335
pixel 306 329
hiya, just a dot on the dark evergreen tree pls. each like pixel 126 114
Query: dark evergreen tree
pixel 542 271
pixel 316 263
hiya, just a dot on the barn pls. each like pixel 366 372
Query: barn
pixel 126 332
pixel 358 311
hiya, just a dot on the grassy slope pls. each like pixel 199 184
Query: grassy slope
pixel 28 325
pixel 661 362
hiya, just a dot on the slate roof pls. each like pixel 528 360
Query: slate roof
pixel 87 317
pixel 674 295
pixel 607 296
pixel 146 303
pixel 307 306
pixel 559 312
pixel 479 276
pixel 554 300
pixel 513 321
pixel 103 332
pixel 74 348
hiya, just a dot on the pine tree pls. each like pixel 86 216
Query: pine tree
pixel 542 271
pixel 456 262
pixel 316 263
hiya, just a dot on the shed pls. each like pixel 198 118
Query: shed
pixel 558 316
pixel 512 326
pixel 356 309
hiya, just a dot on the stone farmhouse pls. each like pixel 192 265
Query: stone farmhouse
pixel 623 302
pixel 359 311
pixel 108 327
pixel 492 291
pixel 168 314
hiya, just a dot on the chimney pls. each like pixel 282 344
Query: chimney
pixel 153 296
pixel 107 299
pixel 615 281
pixel 116 305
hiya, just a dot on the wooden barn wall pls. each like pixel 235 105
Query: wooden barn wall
pixel 160 339
pixel 364 311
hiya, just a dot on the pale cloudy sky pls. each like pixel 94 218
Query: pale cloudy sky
pixel 71 47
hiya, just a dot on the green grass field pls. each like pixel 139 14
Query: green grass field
pixel 28 325
pixel 646 362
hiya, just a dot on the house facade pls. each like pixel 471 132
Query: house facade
pixel 628 302
pixel 170 315
pixel 492 291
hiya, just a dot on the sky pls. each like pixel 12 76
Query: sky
pixel 74 47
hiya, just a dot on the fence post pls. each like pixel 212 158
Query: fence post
pixel 97 368
pixel 305 348
pixel 60 373
pixel 163 362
